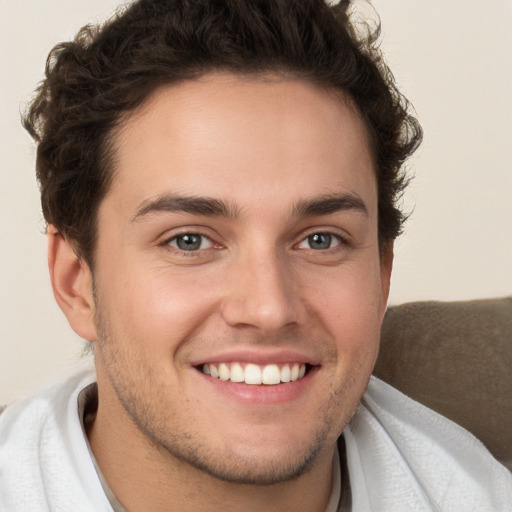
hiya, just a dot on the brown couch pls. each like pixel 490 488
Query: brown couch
pixel 456 358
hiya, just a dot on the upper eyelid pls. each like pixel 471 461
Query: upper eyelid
pixel 165 238
pixel 342 241
pixel 211 243
pixel 174 237
pixel 338 232
pixel 217 239
pixel 168 241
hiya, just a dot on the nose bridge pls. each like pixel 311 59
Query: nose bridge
pixel 262 292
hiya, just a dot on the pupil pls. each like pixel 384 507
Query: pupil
pixel 320 241
pixel 189 242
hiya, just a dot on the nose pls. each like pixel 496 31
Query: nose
pixel 263 294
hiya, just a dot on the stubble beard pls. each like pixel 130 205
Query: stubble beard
pixel 141 397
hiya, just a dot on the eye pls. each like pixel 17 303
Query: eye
pixel 320 241
pixel 190 242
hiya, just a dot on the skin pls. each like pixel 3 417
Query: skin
pixel 271 150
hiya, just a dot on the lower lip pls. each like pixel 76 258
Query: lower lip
pixel 261 394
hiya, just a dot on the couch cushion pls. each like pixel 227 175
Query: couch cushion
pixel 456 358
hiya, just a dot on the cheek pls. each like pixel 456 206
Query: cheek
pixel 349 304
pixel 156 306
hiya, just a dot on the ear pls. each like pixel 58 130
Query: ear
pixel 71 281
pixel 386 266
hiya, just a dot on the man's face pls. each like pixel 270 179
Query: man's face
pixel 239 241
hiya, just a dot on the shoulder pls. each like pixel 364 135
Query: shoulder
pixel 45 405
pixel 39 437
pixel 432 461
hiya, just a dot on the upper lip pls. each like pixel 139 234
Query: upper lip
pixel 259 357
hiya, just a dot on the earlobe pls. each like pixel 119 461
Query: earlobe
pixel 71 280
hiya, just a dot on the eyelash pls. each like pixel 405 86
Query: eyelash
pixel 167 243
pixel 333 237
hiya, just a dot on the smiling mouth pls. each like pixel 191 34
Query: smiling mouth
pixel 253 374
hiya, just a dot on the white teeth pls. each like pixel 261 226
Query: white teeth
pixel 286 375
pixel 237 373
pixel 223 372
pixel 294 375
pixel 253 374
pixel 271 374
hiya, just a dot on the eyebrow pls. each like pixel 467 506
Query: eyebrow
pixel 323 205
pixel 329 204
pixel 187 204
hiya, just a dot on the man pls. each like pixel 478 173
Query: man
pixel 220 180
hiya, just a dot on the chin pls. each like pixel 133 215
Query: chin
pixel 260 469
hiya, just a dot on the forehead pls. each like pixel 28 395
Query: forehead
pixel 228 135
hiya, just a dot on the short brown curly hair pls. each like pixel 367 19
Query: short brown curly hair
pixel 109 70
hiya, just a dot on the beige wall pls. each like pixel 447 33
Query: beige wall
pixel 451 57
